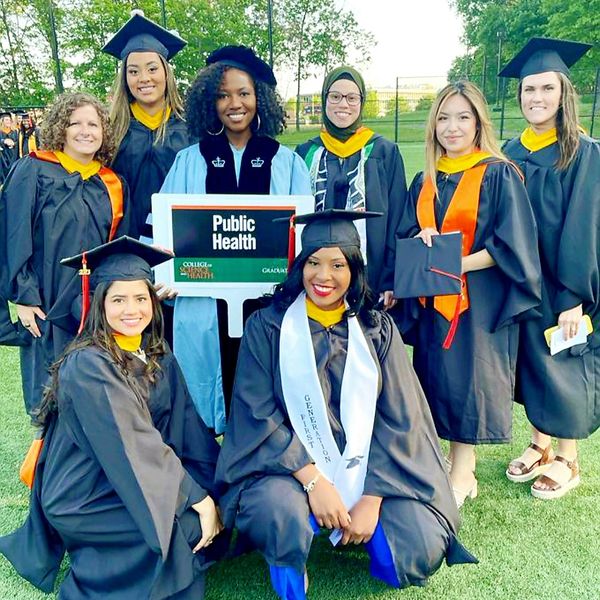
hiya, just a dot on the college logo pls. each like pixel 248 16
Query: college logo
pixel 257 162
pixel 218 162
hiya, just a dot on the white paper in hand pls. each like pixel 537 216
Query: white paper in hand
pixel 558 342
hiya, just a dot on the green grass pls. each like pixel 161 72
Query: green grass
pixel 528 549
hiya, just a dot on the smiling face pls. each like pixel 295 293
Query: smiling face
pixel 326 278
pixel 456 126
pixel 83 136
pixel 540 100
pixel 342 115
pixel 147 80
pixel 128 307
pixel 6 122
pixel 236 105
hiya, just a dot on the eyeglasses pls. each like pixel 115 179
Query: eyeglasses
pixel 352 99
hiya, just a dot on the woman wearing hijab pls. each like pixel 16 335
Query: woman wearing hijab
pixel 561 392
pixel 135 516
pixel 55 203
pixel 328 415
pixel 353 168
pixel 234 110
pixel 146 112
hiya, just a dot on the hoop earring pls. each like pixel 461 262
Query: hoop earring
pixel 258 119
pixel 218 132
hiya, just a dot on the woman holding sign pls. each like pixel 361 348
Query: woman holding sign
pixel 465 346
pixel 234 110
pixel 561 393
pixel 328 415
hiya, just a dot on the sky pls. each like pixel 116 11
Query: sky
pixel 415 38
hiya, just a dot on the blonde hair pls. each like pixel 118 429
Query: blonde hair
pixel 121 99
pixel 485 138
pixel 567 121
pixel 56 121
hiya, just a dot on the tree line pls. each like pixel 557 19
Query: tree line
pixel 50 44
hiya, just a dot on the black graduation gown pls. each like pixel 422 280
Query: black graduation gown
pixel 24 144
pixel 470 386
pixel 123 461
pixel 47 214
pixel 561 393
pixel 385 191
pixel 7 155
pixel 261 451
pixel 144 166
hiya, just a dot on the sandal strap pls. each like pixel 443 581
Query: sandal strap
pixel 537 448
pixel 571 464
pixel 544 459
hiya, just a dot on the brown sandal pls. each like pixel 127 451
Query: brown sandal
pixel 536 469
pixel 557 490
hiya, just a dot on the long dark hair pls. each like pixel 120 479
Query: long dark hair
pixel 359 296
pixel 97 332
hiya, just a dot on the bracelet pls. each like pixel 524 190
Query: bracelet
pixel 310 486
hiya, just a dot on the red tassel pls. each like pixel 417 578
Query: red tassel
pixel 453 324
pixel 85 289
pixel 292 242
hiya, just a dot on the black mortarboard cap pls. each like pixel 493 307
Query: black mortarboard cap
pixel 331 228
pixel 140 34
pixel 540 55
pixel 425 271
pixel 244 58
pixel 4 114
pixel 123 259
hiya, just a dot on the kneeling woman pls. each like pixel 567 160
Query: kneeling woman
pixel 123 480
pixel 328 414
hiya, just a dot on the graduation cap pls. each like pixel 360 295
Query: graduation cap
pixel 123 259
pixel 140 34
pixel 331 228
pixel 5 114
pixel 540 55
pixel 423 271
pixel 244 58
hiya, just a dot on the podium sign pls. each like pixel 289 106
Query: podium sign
pixel 226 246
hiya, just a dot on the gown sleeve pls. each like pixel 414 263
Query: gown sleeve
pixel 259 439
pixel 405 459
pixel 116 423
pixel 187 175
pixel 396 200
pixel 513 246
pixel 579 244
pixel 19 194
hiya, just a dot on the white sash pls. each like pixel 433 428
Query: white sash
pixel 307 408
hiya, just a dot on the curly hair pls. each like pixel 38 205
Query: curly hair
pixel 360 298
pixel 201 112
pixel 57 119
pixel 98 333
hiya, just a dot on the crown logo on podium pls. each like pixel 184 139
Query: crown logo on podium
pixel 257 162
pixel 218 162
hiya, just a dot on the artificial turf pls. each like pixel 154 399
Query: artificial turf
pixel 528 549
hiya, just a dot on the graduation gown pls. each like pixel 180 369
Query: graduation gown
pixel 47 214
pixel 385 191
pixel 7 155
pixel 144 166
pixel 123 461
pixel 24 145
pixel 405 466
pixel 196 327
pixel 470 386
pixel 561 393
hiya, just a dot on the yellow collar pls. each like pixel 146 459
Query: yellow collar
pixel 129 343
pixel 150 121
pixel 327 318
pixel 462 163
pixel 6 130
pixel 352 145
pixel 71 165
pixel 534 142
